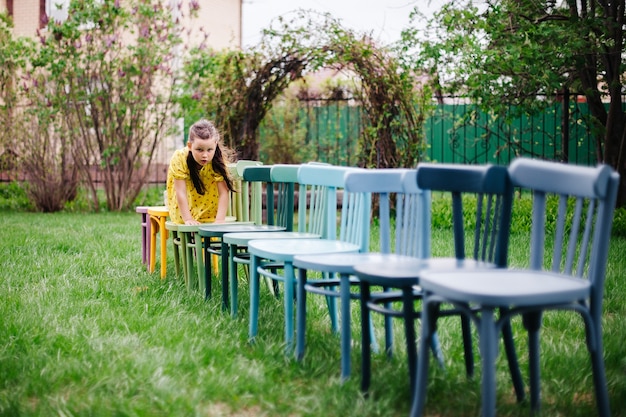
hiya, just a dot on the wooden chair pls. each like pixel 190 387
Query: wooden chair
pixel 408 233
pixel 567 265
pixel 239 210
pixel 491 188
pixel 279 183
pixel 317 213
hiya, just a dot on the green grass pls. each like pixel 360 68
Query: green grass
pixel 85 330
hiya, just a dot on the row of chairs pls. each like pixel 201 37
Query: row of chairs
pixel 154 224
pixel 472 283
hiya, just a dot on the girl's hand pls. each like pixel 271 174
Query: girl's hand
pixel 192 222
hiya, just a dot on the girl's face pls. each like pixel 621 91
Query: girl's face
pixel 202 150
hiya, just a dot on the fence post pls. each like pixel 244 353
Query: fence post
pixel 565 126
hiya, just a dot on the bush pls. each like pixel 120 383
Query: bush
pixel 619 222
pixel 14 196
pixel 521 221
pixel 151 195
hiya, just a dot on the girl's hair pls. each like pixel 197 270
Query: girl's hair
pixel 204 129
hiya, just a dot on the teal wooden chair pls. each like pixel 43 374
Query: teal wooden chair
pixel 567 265
pixel 280 194
pixel 279 183
pixel 491 188
pixel 407 233
pixel 317 214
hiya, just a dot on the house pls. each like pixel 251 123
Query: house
pixel 218 25
pixel 220 19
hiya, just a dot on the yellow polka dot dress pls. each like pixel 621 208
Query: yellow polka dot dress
pixel 203 207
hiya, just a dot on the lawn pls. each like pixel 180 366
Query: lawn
pixel 85 330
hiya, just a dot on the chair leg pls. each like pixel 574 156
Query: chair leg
pixel 188 260
pixel 366 349
pixel 288 298
pixel 198 250
pixel 300 314
pixel 207 269
pixel 145 237
pixel 388 330
pixel 594 345
pixel 175 245
pixel 163 232
pixel 429 318
pixel 331 302
pixel 148 237
pixel 466 330
pixel 153 231
pixel 346 336
pixel 233 278
pixel 254 297
pixel 532 323
pixel 183 257
pixel 511 354
pixel 224 276
pixel 408 313
pixel 435 347
pixel 489 352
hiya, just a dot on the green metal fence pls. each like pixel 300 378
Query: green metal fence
pixel 458 133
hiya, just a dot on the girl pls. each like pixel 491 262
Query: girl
pixel 198 182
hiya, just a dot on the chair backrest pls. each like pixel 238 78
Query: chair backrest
pixel 245 203
pixel 394 191
pixel 491 220
pixel 580 203
pixel 256 176
pixel 284 178
pixel 317 201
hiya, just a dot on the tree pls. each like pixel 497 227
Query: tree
pixel 108 70
pixel 31 133
pixel 238 88
pixel 508 52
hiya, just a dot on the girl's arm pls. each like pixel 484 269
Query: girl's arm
pixel 180 187
pixel 222 204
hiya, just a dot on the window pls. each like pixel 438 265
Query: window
pixel 57 9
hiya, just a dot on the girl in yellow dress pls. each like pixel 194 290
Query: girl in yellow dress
pixel 198 181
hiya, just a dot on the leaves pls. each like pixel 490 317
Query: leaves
pixel 508 53
pixel 103 79
pixel 296 45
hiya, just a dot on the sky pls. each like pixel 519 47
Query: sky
pixel 383 19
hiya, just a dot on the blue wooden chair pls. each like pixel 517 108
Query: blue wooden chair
pixel 567 264
pixel 487 248
pixel 317 214
pixel 407 234
pixel 279 181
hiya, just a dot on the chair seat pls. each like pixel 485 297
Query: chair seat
pixel 341 263
pixel 218 229
pixel 242 238
pixel 400 271
pixel 506 287
pixel 286 249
